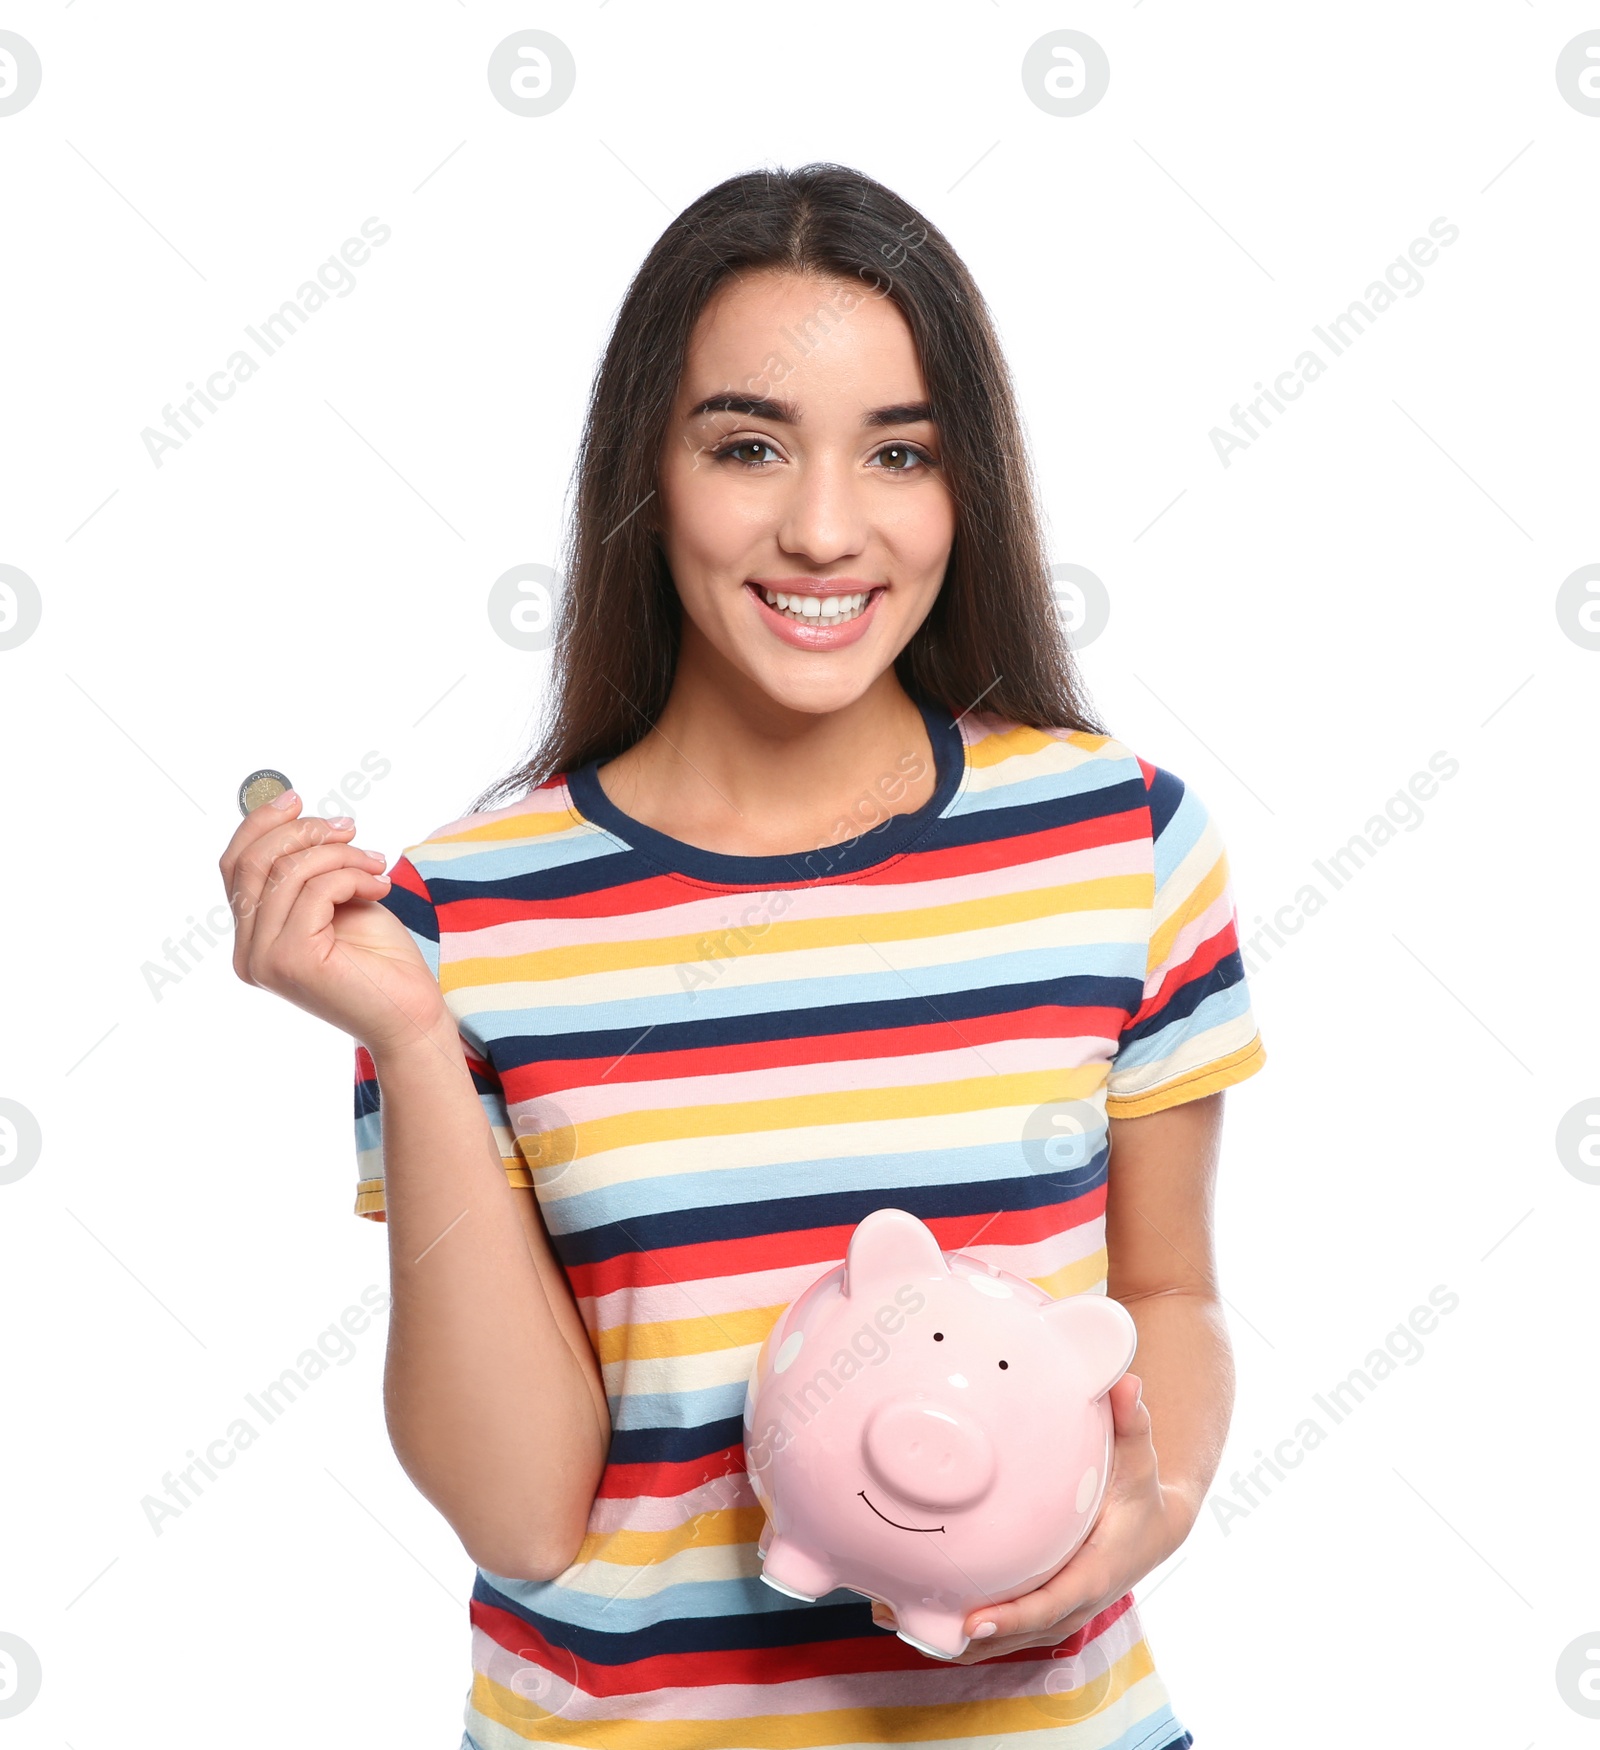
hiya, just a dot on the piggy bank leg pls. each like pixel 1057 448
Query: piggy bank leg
pixel 938 1633
pixel 791 1570
pixel 765 1538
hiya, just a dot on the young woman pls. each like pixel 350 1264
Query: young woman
pixel 825 892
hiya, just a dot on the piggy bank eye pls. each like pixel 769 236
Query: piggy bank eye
pixel 938 1336
pixel 1005 1364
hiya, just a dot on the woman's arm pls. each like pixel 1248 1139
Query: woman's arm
pixel 1159 1221
pixel 493 1396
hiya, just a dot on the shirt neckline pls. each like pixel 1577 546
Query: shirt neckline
pixel 875 846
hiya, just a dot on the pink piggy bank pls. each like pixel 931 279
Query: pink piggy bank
pixel 930 1430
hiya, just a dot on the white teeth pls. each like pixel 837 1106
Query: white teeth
pixel 800 606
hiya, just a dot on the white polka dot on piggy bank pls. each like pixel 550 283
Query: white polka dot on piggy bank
pixel 930 1430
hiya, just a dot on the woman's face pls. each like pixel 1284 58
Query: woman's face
pixel 800 462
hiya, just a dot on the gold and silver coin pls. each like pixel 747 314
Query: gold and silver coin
pixel 261 787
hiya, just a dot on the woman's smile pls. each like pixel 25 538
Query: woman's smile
pixel 815 614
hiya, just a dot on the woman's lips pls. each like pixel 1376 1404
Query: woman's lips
pixel 815 634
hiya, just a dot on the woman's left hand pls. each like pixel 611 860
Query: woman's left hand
pixel 1139 1525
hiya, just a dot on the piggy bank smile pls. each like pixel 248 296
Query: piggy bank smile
pixel 898 1527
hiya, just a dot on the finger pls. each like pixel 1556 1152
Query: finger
pixel 253 864
pixel 291 872
pixel 265 900
pixel 1075 1620
pixel 258 822
pixel 1133 1458
pixel 1129 1415
pixel 252 867
pixel 1069 1589
pixel 1020 1617
pixel 303 946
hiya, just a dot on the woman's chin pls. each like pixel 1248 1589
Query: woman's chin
pixel 813 683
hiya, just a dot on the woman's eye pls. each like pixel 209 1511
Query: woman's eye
pixel 902 458
pixel 732 450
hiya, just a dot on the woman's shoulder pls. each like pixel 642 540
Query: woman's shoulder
pixel 478 845
pixel 1001 751
pixel 1085 771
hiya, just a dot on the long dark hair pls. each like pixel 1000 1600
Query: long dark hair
pixel 992 640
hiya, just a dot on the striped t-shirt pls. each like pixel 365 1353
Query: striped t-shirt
pixel 709 1068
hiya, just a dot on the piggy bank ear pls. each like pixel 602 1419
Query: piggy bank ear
pixel 890 1246
pixel 1100 1333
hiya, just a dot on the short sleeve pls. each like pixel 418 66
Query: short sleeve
pixel 408 898
pixel 1193 1033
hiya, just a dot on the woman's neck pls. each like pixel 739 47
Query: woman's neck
pixel 730 768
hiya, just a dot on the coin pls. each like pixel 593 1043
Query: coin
pixel 261 787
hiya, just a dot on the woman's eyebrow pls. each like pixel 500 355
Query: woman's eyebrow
pixel 786 413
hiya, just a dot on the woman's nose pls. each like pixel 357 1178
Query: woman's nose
pixel 823 519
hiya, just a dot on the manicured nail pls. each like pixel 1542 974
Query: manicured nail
pixel 340 821
pixel 286 799
pixel 983 1630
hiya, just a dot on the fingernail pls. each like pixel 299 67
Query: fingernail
pixel 286 799
pixel 982 1631
pixel 340 821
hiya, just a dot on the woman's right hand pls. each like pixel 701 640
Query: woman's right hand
pixel 307 925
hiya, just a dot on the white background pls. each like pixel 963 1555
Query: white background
pixel 304 583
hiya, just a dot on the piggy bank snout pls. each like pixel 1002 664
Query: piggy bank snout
pixel 929 1452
